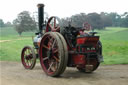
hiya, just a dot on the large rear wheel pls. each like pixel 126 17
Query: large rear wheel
pixel 92 62
pixel 95 62
pixel 53 54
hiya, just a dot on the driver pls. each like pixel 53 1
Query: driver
pixel 87 26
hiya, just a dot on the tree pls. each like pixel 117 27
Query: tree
pixel 95 20
pixel 124 22
pixel 106 19
pixel 1 23
pixel 115 18
pixel 79 19
pixel 64 22
pixel 24 22
pixel 8 24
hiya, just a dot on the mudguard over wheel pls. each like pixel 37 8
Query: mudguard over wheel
pixel 53 54
pixel 28 57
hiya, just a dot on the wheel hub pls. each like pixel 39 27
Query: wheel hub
pixel 49 54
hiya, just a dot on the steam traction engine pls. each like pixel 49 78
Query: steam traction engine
pixel 60 46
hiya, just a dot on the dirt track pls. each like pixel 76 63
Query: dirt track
pixel 13 73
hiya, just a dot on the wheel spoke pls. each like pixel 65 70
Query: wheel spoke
pixel 50 26
pixel 50 66
pixel 54 23
pixel 57 29
pixel 45 47
pixel 56 58
pixel 55 51
pixel 30 61
pixel 29 52
pixel 49 37
pixel 50 43
pixel 46 58
pixel 27 63
pixel 25 53
pixel 53 43
pixel 55 66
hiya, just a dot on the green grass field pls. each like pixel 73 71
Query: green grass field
pixel 10 48
pixel 114 41
pixel 115 45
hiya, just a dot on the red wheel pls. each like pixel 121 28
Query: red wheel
pixel 53 25
pixel 99 51
pixel 53 54
pixel 94 62
pixel 28 57
pixel 65 50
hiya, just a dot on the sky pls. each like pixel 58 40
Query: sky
pixel 9 9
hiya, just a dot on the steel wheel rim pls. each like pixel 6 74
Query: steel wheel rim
pixel 27 57
pixel 49 54
pixel 52 27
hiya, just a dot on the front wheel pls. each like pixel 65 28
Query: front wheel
pixel 28 57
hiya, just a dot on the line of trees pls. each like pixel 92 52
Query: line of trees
pixel 98 21
pixel 2 24
pixel 24 22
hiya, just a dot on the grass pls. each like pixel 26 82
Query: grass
pixel 11 50
pixel 115 45
pixel 8 33
pixel 114 41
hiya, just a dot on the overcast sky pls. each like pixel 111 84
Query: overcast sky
pixel 62 8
